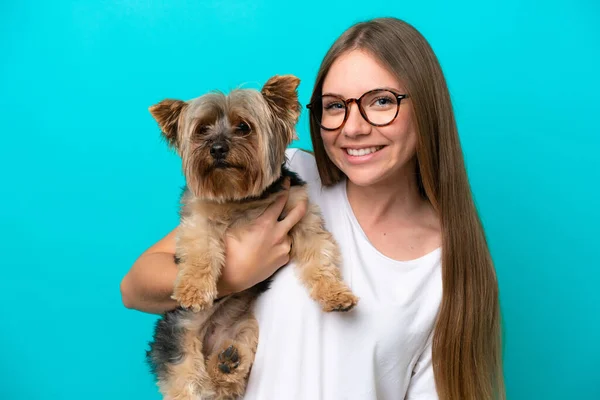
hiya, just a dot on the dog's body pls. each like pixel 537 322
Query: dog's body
pixel 233 151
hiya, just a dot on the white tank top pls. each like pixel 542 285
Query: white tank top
pixel 380 350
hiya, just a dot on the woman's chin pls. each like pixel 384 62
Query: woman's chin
pixel 363 178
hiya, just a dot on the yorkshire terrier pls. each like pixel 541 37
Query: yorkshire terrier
pixel 232 149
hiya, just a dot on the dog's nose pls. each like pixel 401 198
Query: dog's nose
pixel 219 150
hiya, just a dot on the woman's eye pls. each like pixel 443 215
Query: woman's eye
pixel 383 101
pixel 334 106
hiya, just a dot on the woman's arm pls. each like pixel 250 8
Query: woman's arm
pixel 149 283
pixel 253 253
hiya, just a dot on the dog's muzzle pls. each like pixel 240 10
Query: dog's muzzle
pixel 219 151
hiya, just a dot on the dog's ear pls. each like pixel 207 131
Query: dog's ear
pixel 167 114
pixel 282 95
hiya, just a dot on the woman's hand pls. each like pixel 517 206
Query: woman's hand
pixel 256 251
pixel 253 254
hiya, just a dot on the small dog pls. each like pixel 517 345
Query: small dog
pixel 233 152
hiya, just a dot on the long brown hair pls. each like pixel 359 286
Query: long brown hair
pixel 467 356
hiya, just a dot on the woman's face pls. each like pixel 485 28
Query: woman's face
pixel 368 155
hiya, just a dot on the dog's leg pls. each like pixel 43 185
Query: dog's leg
pixel 199 267
pixel 177 353
pixel 318 258
pixel 232 346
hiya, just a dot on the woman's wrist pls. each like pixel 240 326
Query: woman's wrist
pixel 226 287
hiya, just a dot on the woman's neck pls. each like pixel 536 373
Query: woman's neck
pixel 395 200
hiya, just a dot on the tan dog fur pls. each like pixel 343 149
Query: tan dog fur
pixel 217 341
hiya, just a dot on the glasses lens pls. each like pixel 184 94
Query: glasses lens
pixel 333 112
pixel 380 106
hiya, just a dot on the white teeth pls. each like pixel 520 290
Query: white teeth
pixel 363 152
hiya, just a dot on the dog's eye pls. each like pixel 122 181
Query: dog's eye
pixel 201 130
pixel 243 128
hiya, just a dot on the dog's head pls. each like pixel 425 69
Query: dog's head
pixel 232 146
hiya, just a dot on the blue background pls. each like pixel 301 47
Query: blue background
pixel 87 184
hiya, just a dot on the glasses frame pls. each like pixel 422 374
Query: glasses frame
pixel 349 101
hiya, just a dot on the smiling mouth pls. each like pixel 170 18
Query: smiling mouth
pixel 363 151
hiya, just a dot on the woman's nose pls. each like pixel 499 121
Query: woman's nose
pixel 355 124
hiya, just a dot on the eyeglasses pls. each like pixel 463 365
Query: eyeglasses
pixel 379 107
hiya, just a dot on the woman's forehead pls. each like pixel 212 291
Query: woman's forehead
pixel 357 72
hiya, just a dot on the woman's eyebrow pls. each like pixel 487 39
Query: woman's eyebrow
pixel 393 89
pixel 332 94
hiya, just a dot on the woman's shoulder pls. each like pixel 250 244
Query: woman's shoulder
pixel 303 163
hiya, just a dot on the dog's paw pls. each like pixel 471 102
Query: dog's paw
pixel 343 300
pixel 193 297
pixel 229 360
pixel 229 369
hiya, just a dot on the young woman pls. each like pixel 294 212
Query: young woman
pixel 389 176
